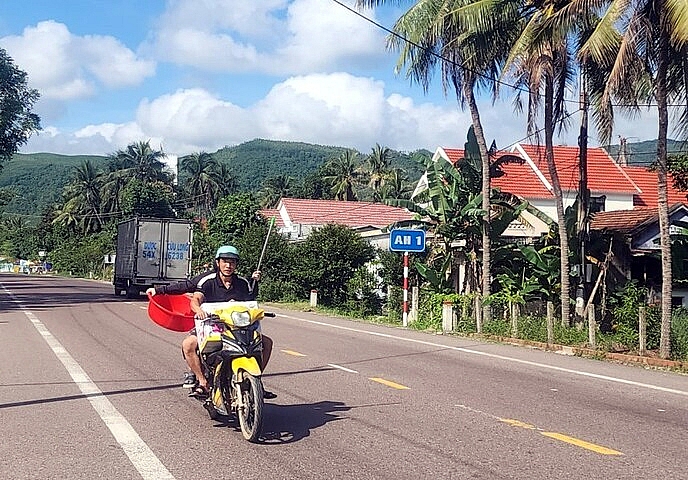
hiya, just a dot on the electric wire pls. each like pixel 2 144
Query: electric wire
pixel 462 67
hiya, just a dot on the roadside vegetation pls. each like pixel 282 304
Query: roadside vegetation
pixel 621 57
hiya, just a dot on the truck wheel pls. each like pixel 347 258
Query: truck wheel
pixel 132 292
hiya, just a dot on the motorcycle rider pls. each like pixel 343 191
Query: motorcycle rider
pixel 221 285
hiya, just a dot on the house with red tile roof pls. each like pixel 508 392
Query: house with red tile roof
pixel 297 217
pixel 646 180
pixel 613 187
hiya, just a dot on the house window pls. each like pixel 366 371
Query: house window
pixel 597 203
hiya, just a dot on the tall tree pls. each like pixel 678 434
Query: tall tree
pixel 345 174
pixel 82 199
pixel 641 48
pixel 142 162
pixel 17 122
pixel 468 39
pixel 274 189
pixel 378 169
pixel 396 185
pixel 227 182
pixel 541 61
pixel 203 183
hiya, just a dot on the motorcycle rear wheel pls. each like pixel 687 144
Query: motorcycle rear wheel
pixel 251 415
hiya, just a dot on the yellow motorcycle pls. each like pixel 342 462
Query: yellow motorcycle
pixel 231 350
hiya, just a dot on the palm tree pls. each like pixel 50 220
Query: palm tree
pixel 468 38
pixel 82 199
pixel 144 163
pixel 227 182
pixel 378 168
pixel 641 47
pixel 540 60
pixel 203 182
pixel 274 189
pixel 344 174
pixel 396 185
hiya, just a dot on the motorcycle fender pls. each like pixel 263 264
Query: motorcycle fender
pixel 245 363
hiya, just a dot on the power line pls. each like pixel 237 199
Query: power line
pixel 463 67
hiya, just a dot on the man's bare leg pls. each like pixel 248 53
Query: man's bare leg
pixel 189 346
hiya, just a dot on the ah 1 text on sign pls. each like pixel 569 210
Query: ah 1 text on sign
pixel 410 240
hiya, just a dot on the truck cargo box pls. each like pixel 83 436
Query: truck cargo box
pixel 150 252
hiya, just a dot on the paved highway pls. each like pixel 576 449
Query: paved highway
pixel 90 388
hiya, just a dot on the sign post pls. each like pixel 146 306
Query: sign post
pixel 406 240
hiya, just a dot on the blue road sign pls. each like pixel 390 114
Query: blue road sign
pixel 407 240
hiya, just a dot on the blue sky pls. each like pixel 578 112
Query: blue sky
pixel 196 75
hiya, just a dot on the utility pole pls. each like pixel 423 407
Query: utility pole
pixel 583 196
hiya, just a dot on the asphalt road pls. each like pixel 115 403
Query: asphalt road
pixel 90 388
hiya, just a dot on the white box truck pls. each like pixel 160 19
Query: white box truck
pixel 151 252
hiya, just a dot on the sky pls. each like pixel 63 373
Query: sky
pixel 198 75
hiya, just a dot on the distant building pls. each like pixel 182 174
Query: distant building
pixel 296 218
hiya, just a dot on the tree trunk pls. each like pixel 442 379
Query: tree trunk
pixel 485 160
pixel 558 199
pixel 662 201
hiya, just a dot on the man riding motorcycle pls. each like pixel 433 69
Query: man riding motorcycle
pixel 221 285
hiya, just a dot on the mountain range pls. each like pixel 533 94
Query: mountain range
pixel 39 178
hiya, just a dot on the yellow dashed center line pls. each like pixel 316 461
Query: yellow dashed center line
pixel 561 437
pixel 292 352
pixel 581 443
pixel 517 423
pixel 557 436
pixel 389 384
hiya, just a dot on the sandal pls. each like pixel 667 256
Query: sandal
pixel 199 392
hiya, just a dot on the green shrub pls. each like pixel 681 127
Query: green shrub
pixel 679 334
pixel 362 294
pixel 533 328
pixel 497 326
pixel 394 304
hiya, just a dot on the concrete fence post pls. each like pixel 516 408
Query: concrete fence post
pixel 642 328
pixel 550 323
pixel 592 326
pixel 447 316
pixel 413 314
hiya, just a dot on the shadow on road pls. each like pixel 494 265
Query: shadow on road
pixel 47 292
pixel 291 423
pixel 65 398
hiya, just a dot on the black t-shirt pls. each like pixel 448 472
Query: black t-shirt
pixel 213 289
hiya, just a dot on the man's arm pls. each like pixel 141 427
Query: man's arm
pixel 253 284
pixel 196 301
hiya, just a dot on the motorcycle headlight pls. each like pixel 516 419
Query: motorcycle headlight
pixel 241 319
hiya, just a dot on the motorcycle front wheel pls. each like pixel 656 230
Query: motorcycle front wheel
pixel 251 414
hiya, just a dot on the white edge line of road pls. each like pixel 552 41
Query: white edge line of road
pixel 139 453
pixel 493 355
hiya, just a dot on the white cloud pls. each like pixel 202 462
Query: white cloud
pixel 67 66
pixel 334 109
pixel 275 37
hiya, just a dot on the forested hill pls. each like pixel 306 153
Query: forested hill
pixel 645 153
pixel 257 160
pixel 39 178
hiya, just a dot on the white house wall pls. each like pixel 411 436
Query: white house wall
pixel 616 201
